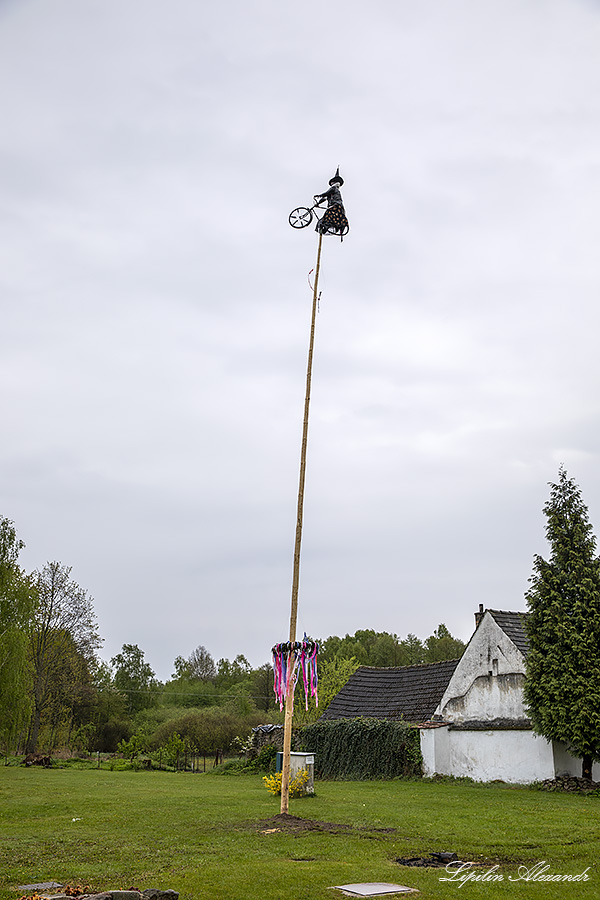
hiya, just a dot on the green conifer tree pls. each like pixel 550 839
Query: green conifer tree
pixel 562 686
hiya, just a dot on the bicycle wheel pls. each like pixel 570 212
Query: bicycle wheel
pixel 300 217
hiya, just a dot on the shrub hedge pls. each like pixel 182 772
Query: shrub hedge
pixel 363 748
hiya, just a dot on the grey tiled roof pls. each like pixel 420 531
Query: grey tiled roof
pixel 513 624
pixel 411 692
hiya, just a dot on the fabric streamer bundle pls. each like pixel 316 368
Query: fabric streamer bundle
pixel 291 659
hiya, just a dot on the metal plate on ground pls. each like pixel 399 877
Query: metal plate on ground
pixel 374 889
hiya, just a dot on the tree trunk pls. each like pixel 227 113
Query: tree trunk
pixel 586 767
pixel 35 730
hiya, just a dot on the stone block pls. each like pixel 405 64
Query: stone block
pixel 157 894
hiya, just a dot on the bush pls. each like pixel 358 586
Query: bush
pixel 363 748
pixel 111 733
pixel 132 748
pixel 204 731
pixel 262 762
pixel 297 783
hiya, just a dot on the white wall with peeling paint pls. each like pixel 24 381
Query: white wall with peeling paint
pixel 488 681
pixel 515 756
pixel 487 686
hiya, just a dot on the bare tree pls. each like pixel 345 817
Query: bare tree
pixel 64 625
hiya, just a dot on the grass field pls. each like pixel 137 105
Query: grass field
pixel 199 835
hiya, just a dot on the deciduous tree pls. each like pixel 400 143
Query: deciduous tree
pixel 441 645
pixel 333 675
pixel 63 629
pixel 379 648
pixel 17 603
pixel 230 673
pixel 199 665
pixel 262 687
pixel 135 678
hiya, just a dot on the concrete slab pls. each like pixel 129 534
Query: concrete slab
pixel 374 889
pixel 42 886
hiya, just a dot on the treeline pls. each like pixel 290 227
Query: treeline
pixel 371 648
pixel 55 692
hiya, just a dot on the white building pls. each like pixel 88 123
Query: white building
pixel 471 712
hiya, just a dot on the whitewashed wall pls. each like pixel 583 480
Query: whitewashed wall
pixel 517 757
pixel 488 681
pixel 428 745
pixel 487 685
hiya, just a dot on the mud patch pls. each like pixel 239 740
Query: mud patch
pixel 434 861
pixel 287 824
pixel 284 823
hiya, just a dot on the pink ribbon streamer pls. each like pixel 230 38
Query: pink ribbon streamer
pixel 288 661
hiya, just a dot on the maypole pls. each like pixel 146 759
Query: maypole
pixel 289 696
pixel 333 222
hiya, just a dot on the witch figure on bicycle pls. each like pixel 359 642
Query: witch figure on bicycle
pixel 334 219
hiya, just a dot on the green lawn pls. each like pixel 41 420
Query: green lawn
pixel 197 834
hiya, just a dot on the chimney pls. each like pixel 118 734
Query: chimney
pixel 479 615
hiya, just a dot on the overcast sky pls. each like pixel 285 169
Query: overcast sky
pixel 155 306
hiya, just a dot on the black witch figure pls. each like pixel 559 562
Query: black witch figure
pixel 334 220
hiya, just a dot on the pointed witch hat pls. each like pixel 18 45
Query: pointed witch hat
pixel 337 178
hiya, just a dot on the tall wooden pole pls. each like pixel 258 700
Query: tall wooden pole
pixel 289 698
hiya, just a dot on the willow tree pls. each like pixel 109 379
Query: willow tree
pixel 562 686
pixel 17 603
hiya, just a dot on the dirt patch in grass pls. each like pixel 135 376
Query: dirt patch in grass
pixel 437 860
pixel 287 824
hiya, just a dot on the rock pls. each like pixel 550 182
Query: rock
pixel 36 759
pixel 131 894
pixel 125 895
pixel 157 894
pixel 570 783
pixel 115 895
pixel 445 857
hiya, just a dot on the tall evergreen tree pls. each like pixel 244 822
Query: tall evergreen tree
pixel 562 686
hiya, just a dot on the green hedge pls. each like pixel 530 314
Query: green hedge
pixel 363 748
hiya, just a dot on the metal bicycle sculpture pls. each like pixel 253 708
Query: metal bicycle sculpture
pixel 333 220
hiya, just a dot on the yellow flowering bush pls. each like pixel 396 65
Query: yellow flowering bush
pixel 273 783
pixel 297 784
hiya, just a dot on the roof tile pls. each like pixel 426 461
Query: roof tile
pixel 513 624
pixel 408 692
